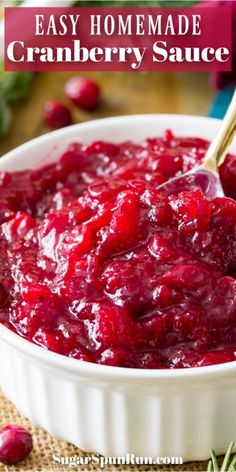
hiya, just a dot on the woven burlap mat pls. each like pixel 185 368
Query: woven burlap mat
pixel 45 446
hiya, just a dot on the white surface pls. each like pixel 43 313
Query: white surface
pixel 114 410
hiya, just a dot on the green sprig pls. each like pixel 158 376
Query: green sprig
pixel 14 87
pixel 227 466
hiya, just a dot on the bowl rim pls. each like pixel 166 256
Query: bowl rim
pixel 97 371
pixel 88 369
pixel 51 136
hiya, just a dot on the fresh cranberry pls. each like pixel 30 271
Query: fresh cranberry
pixel 56 114
pixel 15 444
pixel 83 92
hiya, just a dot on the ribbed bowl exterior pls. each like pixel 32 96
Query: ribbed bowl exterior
pixel 117 417
pixel 110 410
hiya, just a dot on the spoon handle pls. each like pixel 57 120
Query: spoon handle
pixel 218 148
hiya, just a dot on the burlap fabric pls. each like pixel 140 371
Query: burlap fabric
pixel 45 446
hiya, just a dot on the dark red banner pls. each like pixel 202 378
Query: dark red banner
pixel 116 39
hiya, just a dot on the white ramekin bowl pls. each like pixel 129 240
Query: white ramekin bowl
pixel 111 410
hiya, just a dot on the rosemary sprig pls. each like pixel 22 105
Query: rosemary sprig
pixel 227 466
pixel 214 461
pixel 227 457
pixel 232 466
pixel 14 87
pixel 209 467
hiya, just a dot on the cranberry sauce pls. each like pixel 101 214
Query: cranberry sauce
pixel 99 265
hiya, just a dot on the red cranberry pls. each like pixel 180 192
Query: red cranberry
pixel 169 135
pixel 38 306
pixel 217 357
pixel 3 295
pixel 148 360
pixel 55 341
pixel 160 249
pixel 101 147
pixel 56 114
pixel 83 92
pixel 81 354
pixel 15 444
pixel 162 296
pixel 189 276
pixel 5 178
pixel 18 227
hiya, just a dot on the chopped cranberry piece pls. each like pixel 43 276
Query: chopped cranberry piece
pixel 5 178
pixel 160 248
pixel 81 354
pixel 149 360
pixel 228 176
pixel 191 211
pixel 15 444
pixel 186 322
pixel 18 227
pixel 162 296
pixel 55 341
pixel 188 276
pixel 101 147
pixel 3 295
pixel 112 357
pixel 217 357
pixel 110 325
pixel 37 309
pixel 169 135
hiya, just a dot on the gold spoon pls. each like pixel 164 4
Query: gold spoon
pixel 206 176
